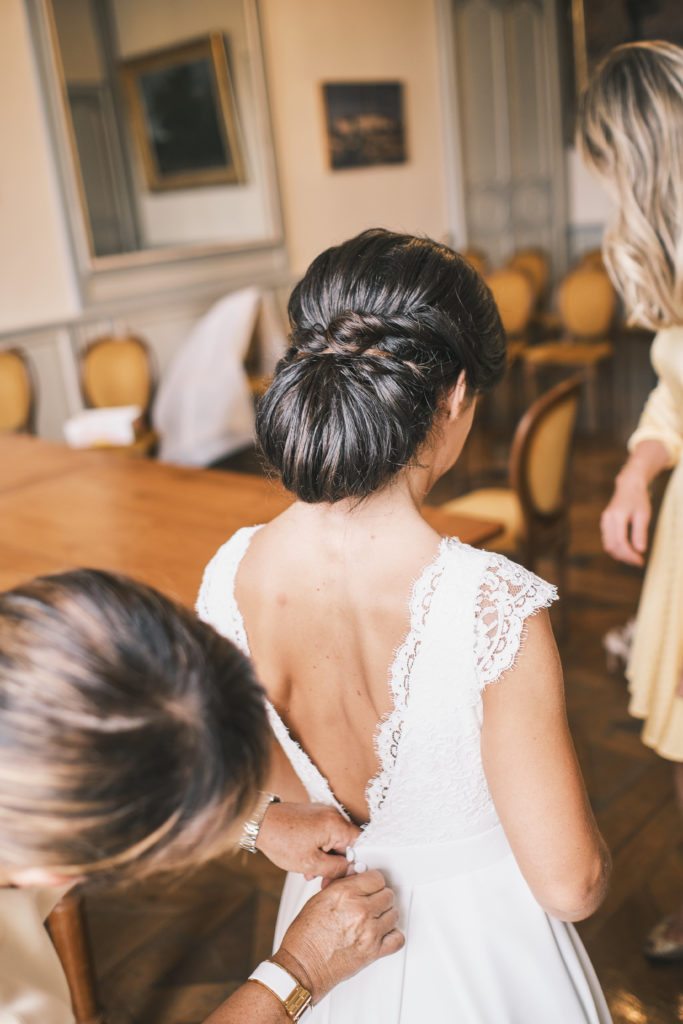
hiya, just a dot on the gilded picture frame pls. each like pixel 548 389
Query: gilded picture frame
pixel 182 113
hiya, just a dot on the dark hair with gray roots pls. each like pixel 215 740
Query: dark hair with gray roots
pixel 133 737
pixel 381 328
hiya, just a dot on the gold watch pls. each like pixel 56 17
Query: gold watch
pixel 294 997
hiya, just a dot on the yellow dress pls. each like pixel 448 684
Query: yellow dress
pixel 656 661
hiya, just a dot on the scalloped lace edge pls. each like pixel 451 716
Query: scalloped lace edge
pixel 388 733
pixel 498 643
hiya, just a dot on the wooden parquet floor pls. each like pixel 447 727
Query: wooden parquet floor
pixel 169 954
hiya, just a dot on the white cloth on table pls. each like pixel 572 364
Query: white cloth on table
pixel 33 989
pixel 479 949
pixel 203 409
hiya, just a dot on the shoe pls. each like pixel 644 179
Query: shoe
pixel 659 946
pixel 617 644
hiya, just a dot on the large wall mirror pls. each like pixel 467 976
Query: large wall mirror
pixel 160 121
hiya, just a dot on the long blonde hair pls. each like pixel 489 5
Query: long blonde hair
pixel 133 738
pixel 631 133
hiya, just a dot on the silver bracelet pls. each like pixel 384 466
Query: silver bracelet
pixel 252 827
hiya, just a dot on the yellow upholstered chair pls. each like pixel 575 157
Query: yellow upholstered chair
pixel 478 259
pixel 535 507
pixel 587 303
pixel 587 308
pixel 591 258
pixel 514 295
pixel 17 393
pixel 259 382
pixel 119 370
pixel 535 263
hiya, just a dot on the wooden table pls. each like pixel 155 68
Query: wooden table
pixel 60 509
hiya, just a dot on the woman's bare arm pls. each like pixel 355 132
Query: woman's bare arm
pixel 624 523
pixel 536 783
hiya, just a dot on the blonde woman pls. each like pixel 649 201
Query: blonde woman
pixel 631 133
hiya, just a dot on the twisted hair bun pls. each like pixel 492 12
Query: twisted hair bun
pixel 381 328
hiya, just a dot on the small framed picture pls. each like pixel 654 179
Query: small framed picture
pixel 182 113
pixel 365 123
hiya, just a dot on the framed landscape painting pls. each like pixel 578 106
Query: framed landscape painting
pixel 182 115
pixel 365 123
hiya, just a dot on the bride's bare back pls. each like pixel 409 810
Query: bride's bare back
pixel 325 609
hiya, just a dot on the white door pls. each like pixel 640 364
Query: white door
pixel 508 107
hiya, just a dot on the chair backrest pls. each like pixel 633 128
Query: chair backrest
pixel 536 264
pixel 539 460
pixel 117 371
pixel 591 258
pixel 478 260
pixel 17 393
pixel 587 303
pixel 514 296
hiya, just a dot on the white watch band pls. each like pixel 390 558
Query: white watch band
pixel 295 998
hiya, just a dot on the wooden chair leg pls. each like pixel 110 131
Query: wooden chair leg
pixel 563 610
pixel 530 383
pixel 592 398
pixel 69 933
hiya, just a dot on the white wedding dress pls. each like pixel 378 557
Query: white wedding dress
pixel 479 949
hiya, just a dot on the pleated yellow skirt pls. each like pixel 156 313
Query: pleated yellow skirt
pixel 656 662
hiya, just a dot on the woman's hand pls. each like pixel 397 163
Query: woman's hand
pixel 339 931
pixel 625 521
pixel 310 839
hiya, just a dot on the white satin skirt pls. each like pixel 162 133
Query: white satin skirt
pixel 478 950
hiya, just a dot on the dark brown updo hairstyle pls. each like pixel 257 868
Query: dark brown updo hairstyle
pixel 381 328
pixel 133 738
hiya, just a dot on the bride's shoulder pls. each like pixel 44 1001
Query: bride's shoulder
pixel 507 595
pixel 493 573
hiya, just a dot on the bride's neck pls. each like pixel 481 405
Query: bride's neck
pixel 396 505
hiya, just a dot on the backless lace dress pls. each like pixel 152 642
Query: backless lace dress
pixel 479 949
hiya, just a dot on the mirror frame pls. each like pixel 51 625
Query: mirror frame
pixel 106 278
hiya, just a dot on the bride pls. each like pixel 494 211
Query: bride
pixel 413 682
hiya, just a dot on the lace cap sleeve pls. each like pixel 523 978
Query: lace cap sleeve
pixel 507 596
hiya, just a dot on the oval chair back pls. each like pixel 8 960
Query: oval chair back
pixel 587 303
pixel 533 262
pixel 539 460
pixel 17 393
pixel 591 259
pixel 477 259
pixel 118 371
pixel 514 295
